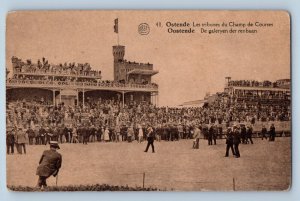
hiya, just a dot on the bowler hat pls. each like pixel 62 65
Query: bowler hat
pixel 54 144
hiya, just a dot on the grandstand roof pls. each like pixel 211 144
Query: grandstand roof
pixel 143 72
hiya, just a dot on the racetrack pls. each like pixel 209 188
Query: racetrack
pixel 175 165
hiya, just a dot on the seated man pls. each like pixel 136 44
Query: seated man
pixel 49 164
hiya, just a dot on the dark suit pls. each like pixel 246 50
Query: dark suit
pixel 236 142
pixel 10 142
pixel 210 135
pixel 249 135
pixel 49 164
pixel 229 143
pixel 150 139
pixel 264 133
pixel 272 133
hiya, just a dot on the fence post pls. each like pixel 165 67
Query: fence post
pixel 233 184
pixel 143 179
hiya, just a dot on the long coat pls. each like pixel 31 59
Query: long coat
pixel 21 137
pixel 49 164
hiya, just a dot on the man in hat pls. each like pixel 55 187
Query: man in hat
pixel 150 139
pixel 249 134
pixel 236 141
pixel 10 140
pixel 49 164
pixel 229 142
pixel 21 140
pixel 210 134
pixel 264 132
pixel 272 133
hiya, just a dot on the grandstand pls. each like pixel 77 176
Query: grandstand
pixel 73 84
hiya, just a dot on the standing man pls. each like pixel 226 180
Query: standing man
pixel 130 133
pixel 229 142
pixel 244 134
pixel 31 135
pixel 264 132
pixel 49 164
pixel 272 133
pixel 210 134
pixel 236 141
pixel 10 140
pixel 150 139
pixel 249 133
pixel 21 139
pixel 215 133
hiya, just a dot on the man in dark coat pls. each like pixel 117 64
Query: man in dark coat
pixel 236 141
pixel 210 135
pixel 243 134
pixel 249 133
pixel 264 132
pixel 150 139
pixel 42 134
pixel 49 164
pixel 85 134
pixel 10 141
pixel 272 133
pixel 31 135
pixel 229 142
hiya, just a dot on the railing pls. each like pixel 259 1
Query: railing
pixel 80 85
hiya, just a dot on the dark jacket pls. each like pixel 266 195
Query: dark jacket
pixel 229 138
pixel 236 137
pixel 10 138
pixel 49 164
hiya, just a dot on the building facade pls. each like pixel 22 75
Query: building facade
pixel 73 84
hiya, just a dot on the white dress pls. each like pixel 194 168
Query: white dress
pixel 106 135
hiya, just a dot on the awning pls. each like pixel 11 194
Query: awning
pixel 68 92
pixel 142 72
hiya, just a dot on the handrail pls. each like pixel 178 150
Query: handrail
pixel 80 84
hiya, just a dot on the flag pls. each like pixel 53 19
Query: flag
pixel 116 26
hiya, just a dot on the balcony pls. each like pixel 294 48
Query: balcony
pixel 87 86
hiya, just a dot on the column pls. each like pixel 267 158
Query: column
pixel 83 98
pixel 157 99
pixel 123 98
pixel 77 97
pixel 60 96
pixel 53 97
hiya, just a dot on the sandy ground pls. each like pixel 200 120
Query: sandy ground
pixel 175 165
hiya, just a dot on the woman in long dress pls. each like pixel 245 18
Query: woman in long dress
pixel 141 134
pixel 106 135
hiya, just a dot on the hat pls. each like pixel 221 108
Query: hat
pixel 54 144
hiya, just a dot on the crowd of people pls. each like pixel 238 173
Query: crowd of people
pixel 103 120
pixel 43 66
pixel 252 83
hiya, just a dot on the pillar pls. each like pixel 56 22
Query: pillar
pixel 123 99
pixel 83 98
pixel 53 97
pixel 60 96
pixel 77 97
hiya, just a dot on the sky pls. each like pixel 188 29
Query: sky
pixel 189 65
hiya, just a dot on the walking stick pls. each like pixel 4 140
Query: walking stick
pixel 56 179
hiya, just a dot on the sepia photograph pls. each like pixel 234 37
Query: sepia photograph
pixel 156 100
